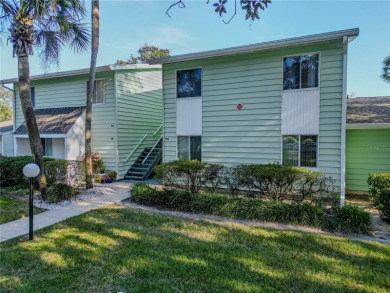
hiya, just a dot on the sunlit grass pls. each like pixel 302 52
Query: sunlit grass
pixel 14 209
pixel 119 249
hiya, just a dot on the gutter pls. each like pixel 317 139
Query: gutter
pixel 350 34
pixel 85 71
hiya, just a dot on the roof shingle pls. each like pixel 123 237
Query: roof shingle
pixel 368 110
pixel 54 120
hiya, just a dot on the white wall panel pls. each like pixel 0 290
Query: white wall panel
pixel 301 112
pixel 189 116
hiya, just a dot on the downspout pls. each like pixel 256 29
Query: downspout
pixel 116 124
pixel 343 121
pixel 163 116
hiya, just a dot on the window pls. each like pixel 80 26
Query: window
pixel 189 148
pixel 300 150
pixel 189 83
pixel 98 93
pixel 300 72
pixel 47 145
pixel 33 96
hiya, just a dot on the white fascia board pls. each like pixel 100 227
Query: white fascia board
pixel 350 34
pixel 367 125
pixel 84 71
pixel 42 135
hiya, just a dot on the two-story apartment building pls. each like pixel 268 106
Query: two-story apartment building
pixel 282 101
pixel 126 115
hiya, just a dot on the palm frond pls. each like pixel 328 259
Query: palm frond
pixel 50 44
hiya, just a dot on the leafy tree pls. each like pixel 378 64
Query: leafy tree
pixel 88 111
pixel 145 53
pixel 386 69
pixel 47 25
pixel 6 104
pixel 251 8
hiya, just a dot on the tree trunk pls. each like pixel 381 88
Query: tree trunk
pixel 88 111
pixel 31 122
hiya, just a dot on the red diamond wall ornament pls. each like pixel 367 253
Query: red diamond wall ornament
pixel 239 106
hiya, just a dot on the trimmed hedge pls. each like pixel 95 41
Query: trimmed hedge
pixel 271 180
pixel 60 191
pixel 57 171
pixel 345 219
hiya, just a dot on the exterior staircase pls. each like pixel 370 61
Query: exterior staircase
pixel 145 163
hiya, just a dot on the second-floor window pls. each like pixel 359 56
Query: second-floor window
pixel 189 83
pixel 300 72
pixel 98 93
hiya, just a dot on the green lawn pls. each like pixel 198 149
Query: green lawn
pixel 119 249
pixel 13 209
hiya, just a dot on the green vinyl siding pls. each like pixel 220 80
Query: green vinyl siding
pixel 367 151
pixel 253 135
pixel 139 112
pixel 72 92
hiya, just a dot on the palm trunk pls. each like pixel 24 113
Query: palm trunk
pixel 31 122
pixel 88 111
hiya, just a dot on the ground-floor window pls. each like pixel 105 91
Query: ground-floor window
pixel 300 150
pixel 189 148
pixel 47 144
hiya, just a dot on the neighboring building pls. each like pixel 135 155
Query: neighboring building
pixel 280 101
pixel 368 140
pixel 6 138
pixel 127 113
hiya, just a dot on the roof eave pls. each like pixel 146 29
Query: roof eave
pixel 367 125
pixel 85 71
pixel 351 34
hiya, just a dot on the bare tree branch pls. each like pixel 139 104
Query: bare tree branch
pixel 178 3
pixel 235 12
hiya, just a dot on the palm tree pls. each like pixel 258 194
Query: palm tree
pixel 46 25
pixel 386 69
pixel 88 111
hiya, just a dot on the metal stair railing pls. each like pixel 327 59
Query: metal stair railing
pixel 152 165
pixel 158 141
pixel 136 147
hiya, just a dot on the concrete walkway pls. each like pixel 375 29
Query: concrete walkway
pixel 120 191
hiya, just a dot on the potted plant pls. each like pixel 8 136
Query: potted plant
pixel 99 179
pixel 112 175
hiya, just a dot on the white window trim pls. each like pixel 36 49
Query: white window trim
pixel 189 146
pixel 45 138
pixel 299 150
pixel 104 92
pixel 201 83
pixel 319 72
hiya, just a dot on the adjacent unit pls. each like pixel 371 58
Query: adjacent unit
pixel 126 115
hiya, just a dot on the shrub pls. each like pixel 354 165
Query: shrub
pixel 346 219
pixel 182 174
pixel 314 186
pixel 60 191
pixel 97 163
pixel 273 180
pixel 384 204
pixel 56 171
pixel 11 171
pixel 378 182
